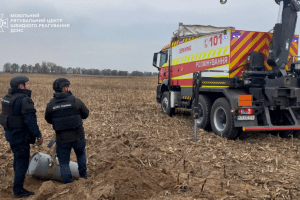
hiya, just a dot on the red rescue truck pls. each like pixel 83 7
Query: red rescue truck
pixel 247 80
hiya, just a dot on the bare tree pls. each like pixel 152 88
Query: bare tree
pixel 137 73
pixel 70 70
pixel 6 67
pixel 96 72
pixel 55 69
pixel 106 72
pixel 59 70
pixel 64 70
pixel 37 68
pixel 52 67
pixel 114 72
pixel 90 71
pixel 77 70
pixel 122 73
pixel 14 68
pixel 45 69
pixel 147 73
pixel 30 67
pixel 24 68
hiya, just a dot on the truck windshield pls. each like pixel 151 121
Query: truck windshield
pixel 163 58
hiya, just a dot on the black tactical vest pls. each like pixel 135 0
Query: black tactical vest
pixel 63 112
pixel 7 119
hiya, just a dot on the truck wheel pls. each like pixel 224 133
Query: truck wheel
pixel 222 121
pixel 165 105
pixel 204 112
pixel 296 134
pixel 285 134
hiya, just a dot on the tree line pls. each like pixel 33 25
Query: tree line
pixel 52 68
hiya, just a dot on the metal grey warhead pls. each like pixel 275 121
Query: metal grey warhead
pixel 15 81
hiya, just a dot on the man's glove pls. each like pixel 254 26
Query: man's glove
pixel 39 141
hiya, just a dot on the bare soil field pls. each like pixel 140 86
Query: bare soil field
pixel 136 152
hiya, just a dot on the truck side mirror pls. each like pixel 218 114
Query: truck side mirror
pixel 155 60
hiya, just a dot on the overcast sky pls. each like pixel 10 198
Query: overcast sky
pixel 118 34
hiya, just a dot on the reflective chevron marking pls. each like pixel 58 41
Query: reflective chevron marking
pixel 200 56
pixel 249 42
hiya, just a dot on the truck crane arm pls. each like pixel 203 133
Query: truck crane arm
pixel 283 33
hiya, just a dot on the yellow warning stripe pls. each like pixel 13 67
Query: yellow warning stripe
pixel 245 51
pixel 166 47
pixel 295 44
pixel 240 58
pixel 223 51
pixel 215 86
pixel 187 97
pixel 213 82
pixel 185 40
pixel 253 42
pixel 292 50
pixel 205 86
pixel 241 43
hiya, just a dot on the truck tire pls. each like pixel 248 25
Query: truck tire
pixel 285 134
pixel 204 116
pixel 296 134
pixel 222 120
pixel 165 105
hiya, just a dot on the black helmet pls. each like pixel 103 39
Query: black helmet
pixel 59 83
pixel 15 81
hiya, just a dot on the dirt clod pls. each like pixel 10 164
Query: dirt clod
pixel 100 192
pixel 45 191
pixel 136 153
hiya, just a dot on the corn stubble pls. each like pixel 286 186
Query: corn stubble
pixel 136 152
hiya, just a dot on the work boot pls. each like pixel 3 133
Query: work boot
pixel 85 176
pixel 23 194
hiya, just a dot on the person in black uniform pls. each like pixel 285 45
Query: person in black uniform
pixel 20 125
pixel 65 112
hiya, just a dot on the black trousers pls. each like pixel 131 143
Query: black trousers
pixel 21 162
pixel 63 151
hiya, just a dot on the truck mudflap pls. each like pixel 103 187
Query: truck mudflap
pixel 271 128
pixel 161 89
pixel 158 94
